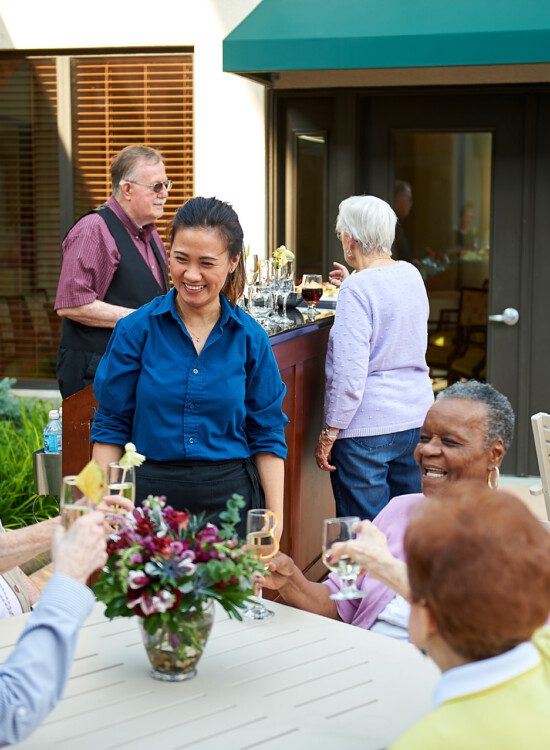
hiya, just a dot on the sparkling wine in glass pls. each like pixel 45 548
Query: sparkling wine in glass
pixel 260 538
pixel 341 530
pixel 121 481
pixel 312 291
pixel 73 503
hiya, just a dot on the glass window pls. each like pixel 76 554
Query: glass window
pixel 311 155
pixel 442 199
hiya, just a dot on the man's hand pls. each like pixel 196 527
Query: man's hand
pixel 339 274
pixel 81 550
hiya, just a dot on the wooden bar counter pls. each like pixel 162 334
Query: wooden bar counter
pixel 300 353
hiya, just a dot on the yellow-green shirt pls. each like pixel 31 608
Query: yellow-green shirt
pixel 512 714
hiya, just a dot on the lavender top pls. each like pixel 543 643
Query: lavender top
pixel 393 521
pixel 91 257
pixel 377 380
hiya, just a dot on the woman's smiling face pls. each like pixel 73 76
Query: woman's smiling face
pixel 199 265
pixel 452 444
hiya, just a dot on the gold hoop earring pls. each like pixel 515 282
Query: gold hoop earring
pixel 493 482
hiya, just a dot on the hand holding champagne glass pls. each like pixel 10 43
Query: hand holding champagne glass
pixel 260 538
pixel 312 291
pixel 73 502
pixel 341 530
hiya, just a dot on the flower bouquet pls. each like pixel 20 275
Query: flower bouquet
pixel 166 567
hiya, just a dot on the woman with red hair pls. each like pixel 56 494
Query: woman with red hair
pixel 478 565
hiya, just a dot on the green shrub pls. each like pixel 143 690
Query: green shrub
pixel 20 436
pixel 9 405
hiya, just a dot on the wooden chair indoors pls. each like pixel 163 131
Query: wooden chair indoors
pixel 541 433
pixel 458 347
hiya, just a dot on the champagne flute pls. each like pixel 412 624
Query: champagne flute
pixel 73 503
pixel 312 291
pixel 121 480
pixel 260 525
pixel 341 530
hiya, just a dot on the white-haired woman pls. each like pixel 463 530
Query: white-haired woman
pixel 378 388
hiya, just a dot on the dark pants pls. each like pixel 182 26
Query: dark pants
pixel 198 486
pixel 371 470
pixel 75 369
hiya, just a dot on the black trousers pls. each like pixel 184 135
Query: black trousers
pixel 197 486
pixel 75 369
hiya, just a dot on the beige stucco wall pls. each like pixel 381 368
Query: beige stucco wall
pixel 229 110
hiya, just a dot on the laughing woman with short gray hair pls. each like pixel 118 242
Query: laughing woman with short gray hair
pixel 378 388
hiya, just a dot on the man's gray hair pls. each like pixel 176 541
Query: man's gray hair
pixel 369 220
pixel 124 164
pixel 500 415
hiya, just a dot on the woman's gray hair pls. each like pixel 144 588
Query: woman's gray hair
pixel 369 220
pixel 500 415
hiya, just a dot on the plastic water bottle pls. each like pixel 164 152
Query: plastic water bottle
pixel 52 433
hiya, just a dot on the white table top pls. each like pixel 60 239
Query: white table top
pixel 297 681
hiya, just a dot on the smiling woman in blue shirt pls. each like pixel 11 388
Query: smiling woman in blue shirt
pixel 191 379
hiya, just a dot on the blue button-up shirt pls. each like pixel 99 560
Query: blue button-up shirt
pixel 174 404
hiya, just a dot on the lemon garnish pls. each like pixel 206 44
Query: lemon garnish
pixel 91 482
pixel 282 256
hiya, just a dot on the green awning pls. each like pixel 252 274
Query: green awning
pixel 282 35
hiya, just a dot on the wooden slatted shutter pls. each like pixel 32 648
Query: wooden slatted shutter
pixel 123 100
pixel 29 217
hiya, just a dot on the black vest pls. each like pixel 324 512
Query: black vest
pixel 132 285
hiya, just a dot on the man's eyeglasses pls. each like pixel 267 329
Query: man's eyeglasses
pixel 156 187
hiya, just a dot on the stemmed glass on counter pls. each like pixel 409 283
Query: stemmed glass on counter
pixel 341 530
pixel 312 291
pixel 260 301
pixel 285 286
pixel 260 525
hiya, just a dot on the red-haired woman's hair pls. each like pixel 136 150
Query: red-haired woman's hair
pixel 481 562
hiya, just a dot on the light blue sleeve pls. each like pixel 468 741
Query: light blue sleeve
pixel 33 678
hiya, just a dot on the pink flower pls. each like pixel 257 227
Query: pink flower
pixel 136 558
pixel 137 579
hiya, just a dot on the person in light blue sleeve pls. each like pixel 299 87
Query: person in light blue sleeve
pixel 191 380
pixel 33 677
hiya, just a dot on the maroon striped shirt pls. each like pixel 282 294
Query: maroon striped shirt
pixel 91 257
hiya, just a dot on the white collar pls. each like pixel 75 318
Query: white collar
pixel 486 673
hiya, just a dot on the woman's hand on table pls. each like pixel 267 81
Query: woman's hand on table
pixel 323 451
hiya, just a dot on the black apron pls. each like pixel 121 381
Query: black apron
pixel 197 486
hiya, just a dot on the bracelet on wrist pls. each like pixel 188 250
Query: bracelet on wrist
pixel 329 432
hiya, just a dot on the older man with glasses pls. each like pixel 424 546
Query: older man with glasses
pixel 113 262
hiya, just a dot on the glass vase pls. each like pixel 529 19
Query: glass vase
pixel 174 656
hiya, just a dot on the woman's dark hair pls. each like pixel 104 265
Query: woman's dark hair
pixel 211 213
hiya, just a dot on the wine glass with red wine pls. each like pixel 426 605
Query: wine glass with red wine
pixel 312 291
